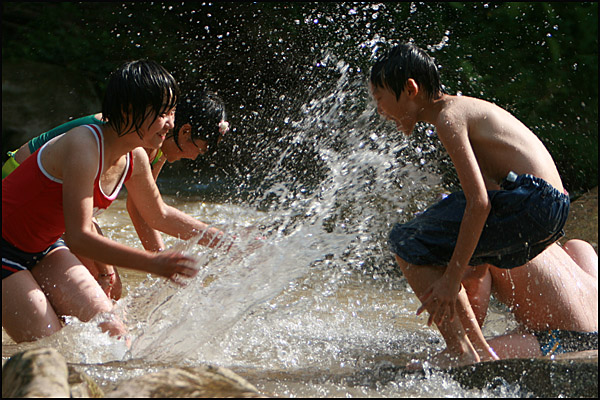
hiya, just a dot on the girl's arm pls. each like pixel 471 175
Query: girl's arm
pixel 78 172
pixel 145 195
pixel 150 238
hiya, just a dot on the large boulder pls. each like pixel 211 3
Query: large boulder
pixel 35 373
pixel 37 97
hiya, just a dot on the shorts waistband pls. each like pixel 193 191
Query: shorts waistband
pixel 513 181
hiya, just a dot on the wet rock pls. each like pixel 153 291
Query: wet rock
pixel 81 385
pixel 203 381
pixel 35 373
pixel 569 376
pixel 37 97
pixel 566 375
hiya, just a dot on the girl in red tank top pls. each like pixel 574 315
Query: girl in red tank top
pixel 58 190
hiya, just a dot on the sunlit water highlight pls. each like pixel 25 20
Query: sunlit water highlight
pixel 318 301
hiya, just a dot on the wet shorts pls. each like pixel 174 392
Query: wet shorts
pixel 15 260
pixel 558 341
pixel 527 216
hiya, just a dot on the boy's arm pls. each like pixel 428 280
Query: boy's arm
pixel 78 174
pixel 144 193
pixel 440 298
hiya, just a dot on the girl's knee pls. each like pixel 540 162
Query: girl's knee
pixel 27 314
pixel 114 326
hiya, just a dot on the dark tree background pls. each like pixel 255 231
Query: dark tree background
pixel 539 60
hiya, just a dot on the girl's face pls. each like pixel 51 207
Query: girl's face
pixel 154 132
pixel 188 147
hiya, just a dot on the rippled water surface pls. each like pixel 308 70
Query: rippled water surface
pixel 288 316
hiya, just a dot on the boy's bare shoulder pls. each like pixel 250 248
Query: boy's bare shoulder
pixel 456 111
pixel 476 115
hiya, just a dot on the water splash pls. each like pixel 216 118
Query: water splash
pixel 334 227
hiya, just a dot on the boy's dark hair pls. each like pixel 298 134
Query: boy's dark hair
pixel 135 91
pixel 203 111
pixel 403 62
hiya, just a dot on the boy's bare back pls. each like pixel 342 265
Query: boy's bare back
pixel 501 143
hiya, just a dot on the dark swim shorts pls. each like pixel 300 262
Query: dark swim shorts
pixel 15 260
pixel 527 216
pixel 558 341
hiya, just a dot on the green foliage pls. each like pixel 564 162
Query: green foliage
pixel 537 59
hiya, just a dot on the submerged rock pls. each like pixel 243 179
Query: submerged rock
pixel 203 381
pixel 81 385
pixel 44 373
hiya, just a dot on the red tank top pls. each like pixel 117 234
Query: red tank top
pixel 32 206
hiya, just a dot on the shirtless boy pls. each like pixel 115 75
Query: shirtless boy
pixel 513 204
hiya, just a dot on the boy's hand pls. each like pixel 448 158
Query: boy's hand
pixel 440 300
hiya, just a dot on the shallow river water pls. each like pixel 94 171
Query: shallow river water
pixel 288 316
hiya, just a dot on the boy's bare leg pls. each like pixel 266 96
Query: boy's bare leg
pixel 584 255
pixel 478 284
pixel 460 350
pixel 516 345
pixel 549 292
pixel 27 314
pixel 72 290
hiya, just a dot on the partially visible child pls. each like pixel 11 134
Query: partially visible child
pixel 192 135
pixel 512 207
pixel 554 298
pixel 59 189
pixel 200 124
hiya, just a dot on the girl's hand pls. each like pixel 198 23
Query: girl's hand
pixel 111 284
pixel 174 266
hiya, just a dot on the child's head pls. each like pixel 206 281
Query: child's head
pixel 402 63
pixel 204 114
pixel 138 90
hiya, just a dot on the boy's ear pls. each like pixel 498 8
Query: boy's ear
pixel 412 87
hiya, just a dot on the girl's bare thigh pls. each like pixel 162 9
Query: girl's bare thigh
pixel 69 285
pixel 27 314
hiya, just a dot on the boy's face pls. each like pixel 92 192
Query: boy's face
pixel 393 109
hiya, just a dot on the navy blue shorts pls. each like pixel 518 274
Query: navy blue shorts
pixel 15 260
pixel 527 216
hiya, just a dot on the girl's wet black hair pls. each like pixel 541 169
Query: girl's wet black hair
pixel 136 91
pixel 403 62
pixel 203 111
